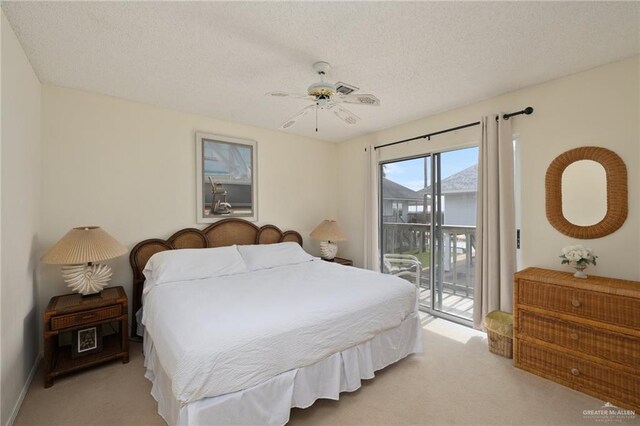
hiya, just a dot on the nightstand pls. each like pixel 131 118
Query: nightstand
pixel 341 260
pixel 74 314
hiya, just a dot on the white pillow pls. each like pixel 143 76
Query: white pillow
pixel 263 256
pixel 193 264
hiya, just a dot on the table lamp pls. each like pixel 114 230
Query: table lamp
pixel 327 232
pixel 77 251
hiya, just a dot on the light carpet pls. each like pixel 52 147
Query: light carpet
pixel 456 381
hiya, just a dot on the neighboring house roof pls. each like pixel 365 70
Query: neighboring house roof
pixel 464 181
pixel 394 191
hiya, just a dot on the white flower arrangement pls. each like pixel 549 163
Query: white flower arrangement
pixel 578 255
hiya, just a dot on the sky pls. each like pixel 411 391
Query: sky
pixel 410 173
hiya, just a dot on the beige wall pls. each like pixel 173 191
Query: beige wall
pixel 2 25
pixel 20 215
pixel 597 107
pixel 130 168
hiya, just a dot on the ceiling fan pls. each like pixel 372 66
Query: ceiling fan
pixel 327 96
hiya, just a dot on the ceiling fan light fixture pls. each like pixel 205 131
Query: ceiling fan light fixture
pixel 321 88
pixel 322 103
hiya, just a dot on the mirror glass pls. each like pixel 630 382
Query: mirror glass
pixel 584 193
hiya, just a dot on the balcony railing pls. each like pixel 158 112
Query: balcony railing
pixel 454 265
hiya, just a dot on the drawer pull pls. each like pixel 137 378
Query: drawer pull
pixel 574 336
pixel 576 303
pixel 575 371
pixel 86 317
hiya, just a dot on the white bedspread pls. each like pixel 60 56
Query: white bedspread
pixel 220 335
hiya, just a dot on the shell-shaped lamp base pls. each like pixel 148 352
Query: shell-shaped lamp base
pixel 328 250
pixel 86 279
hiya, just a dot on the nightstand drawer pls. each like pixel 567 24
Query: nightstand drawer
pixel 71 320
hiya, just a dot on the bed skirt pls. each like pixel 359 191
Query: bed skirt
pixel 271 401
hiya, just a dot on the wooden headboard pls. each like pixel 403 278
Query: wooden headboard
pixel 225 232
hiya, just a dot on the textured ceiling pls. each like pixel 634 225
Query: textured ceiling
pixel 219 58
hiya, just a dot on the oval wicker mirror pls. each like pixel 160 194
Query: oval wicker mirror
pixel 580 207
pixel 616 194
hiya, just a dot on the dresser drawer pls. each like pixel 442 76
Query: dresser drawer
pixel 71 320
pixel 598 306
pixel 601 343
pixel 579 374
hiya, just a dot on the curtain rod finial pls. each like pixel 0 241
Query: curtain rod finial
pixel 528 110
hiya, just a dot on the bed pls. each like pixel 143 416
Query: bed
pixel 251 326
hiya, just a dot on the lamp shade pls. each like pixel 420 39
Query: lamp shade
pixel 83 245
pixel 328 230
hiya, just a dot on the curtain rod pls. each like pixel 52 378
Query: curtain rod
pixel 526 111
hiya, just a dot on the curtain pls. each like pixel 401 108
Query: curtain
pixel 495 221
pixel 371 210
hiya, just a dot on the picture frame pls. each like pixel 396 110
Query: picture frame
pixel 226 178
pixel 86 341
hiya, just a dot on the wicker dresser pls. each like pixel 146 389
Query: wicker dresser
pixel 581 333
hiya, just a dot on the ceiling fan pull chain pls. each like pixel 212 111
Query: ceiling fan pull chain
pixel 316 118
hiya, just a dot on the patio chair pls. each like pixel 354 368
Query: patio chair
pixel 403 265
pixel 219 204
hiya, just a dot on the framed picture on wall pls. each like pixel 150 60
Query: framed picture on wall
pixel 226 178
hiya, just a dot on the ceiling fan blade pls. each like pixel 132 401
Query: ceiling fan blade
pixel 345 115
pixel 289 95
pixel 358 98
pixel 290 122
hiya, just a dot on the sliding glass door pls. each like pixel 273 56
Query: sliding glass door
pixel 427 228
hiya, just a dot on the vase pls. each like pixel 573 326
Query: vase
pixel 579 270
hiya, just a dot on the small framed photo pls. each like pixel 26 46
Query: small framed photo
pixel 86 341
pixel 226 178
